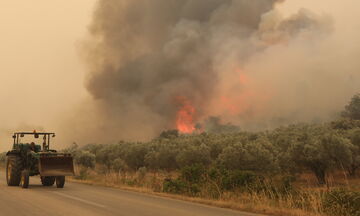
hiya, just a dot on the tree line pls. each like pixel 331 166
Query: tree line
pixel 292 149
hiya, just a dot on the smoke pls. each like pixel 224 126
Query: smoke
pixel 240 60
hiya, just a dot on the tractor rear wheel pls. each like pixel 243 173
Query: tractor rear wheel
pixel 60 181
pixel 13 170
pixel 47 180
pixel 24 179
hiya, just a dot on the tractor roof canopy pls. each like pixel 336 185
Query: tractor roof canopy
pixel 46 137
pixel 22 134
pixel 36 134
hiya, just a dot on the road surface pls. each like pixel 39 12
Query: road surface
pixel 86 200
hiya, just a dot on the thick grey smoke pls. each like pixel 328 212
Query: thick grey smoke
pixel 229 58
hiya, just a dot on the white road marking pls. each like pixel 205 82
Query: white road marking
pixel 80 200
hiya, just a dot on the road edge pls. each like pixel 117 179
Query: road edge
pixel 207 202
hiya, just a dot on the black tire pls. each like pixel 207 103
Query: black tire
pixel 24 179
pixel 47 180
pixel 60 181
pixel 13 170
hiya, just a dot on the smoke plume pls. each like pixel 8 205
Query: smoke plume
pixel 161 64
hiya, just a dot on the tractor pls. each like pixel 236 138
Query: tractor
pixel 30 159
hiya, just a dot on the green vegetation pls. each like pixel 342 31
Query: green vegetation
pixel 320 148
pixel 352 110
pixel 259 165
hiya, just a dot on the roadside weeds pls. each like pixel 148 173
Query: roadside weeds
pixel 256 205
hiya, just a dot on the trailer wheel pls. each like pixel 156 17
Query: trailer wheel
pixel 13 170
pixel 24 179
pixel 47 180
pixel 60 181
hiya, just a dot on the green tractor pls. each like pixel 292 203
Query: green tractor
pixel 30 159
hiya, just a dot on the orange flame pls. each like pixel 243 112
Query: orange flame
pixel 185 116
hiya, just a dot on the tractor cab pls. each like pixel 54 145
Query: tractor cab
pixel 44 147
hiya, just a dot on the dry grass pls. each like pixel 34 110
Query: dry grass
pixel 259 203
pixel 307 203
pixel 254 204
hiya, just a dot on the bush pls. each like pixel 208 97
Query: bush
pixel 193 174
pixel 342 203
pixel 232 179
pixel 135 155
pixel 83 174
pixel 236 179
pixel 175 186
pixel 194 155
pixel 86 159
pixel 118 165
pixel 352 110
pixel 164 157
pixel 256 155
pixel 169 134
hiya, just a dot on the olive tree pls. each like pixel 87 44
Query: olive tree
pixel 352 110
pixel 194 155
pixel 135 155
pixel 118 165
pixel 355 140
pixel 257 155
pixel 321 153
pixel 162 158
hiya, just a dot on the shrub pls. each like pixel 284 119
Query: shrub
pixel 255 156
pixel 118 165
pixel 193 174
pixel 175 186
pixel 169 134
pixel 352 110
pixel 135 155
pixel 194 155
pixel 83 174
pixel 164 157
pixel 86 159
pixel 231 179
pixel 236 179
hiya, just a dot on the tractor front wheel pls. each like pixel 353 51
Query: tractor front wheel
pixel 13 170
pixel 47 180
pixel 60 181
pixel 24 179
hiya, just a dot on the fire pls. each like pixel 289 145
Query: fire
pixel 185 116
pixel 239 98
pixel 246 96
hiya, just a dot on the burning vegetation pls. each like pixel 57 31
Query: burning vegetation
pixel 185 117
pixel 302 169
pixel 241 61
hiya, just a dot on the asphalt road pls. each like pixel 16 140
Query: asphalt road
pixel 85 200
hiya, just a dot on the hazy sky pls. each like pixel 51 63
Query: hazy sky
pixel 40 71
pixel 41 74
